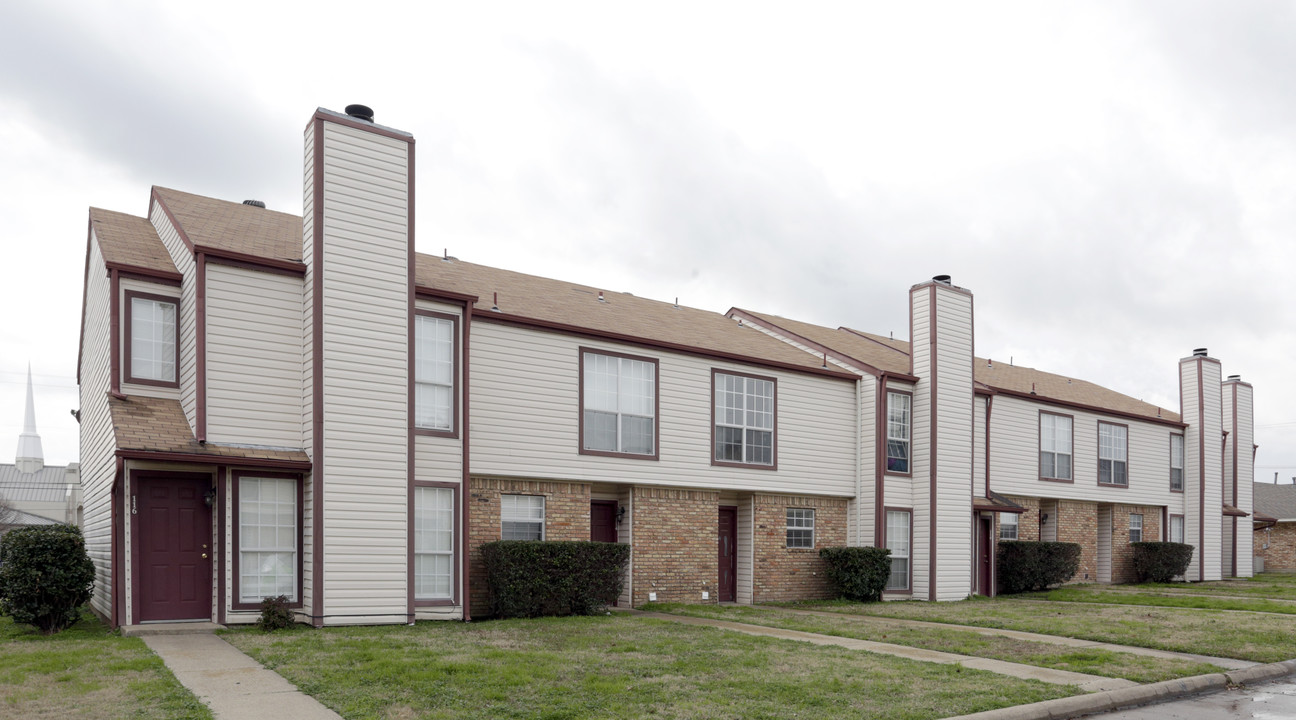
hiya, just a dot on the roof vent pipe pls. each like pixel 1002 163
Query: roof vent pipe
pixel 1234 377
pixel 255 203
pixel 360 112
pixel 942 279
pixel 1199 352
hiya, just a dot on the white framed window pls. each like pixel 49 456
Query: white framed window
pixel 1176 462
pixel 434 372
pixel 1176 528
pixel 899 427
pixel 267 539
pixel 1008 526
pixel 744 419
pixel 800 528
pixel 1055 446
pixel 152 342
pixel 619 404
pixel 1112 450
pixel 897 541
pixel 433 543
pixel 522 517
pixel 1136 528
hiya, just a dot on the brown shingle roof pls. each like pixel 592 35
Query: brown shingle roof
pixel 884 356
pixel 129 240
pixel 235 227
pixel 152 424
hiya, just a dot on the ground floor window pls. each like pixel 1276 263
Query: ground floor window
pixel 522 517
pixel 267 538
pixel 1136 528
pixel 800 528
pixel 1007 526
pixel 433 543
pixel 897 541
pixel 1176 528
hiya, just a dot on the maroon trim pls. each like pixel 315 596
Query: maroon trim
pixel 154 197
pixel 114 336
pixel 998 509
pixel 879 462
pixel 409 381
pixel 1098 453
pixel 117 506
pixel 819 347
pixel 580 393
pixel 458 530
pixel 1088 408
pixel 251 262
pixel 886 433
pixel 1182 469
pixel 235 603
pixel 164 456
pixel 853 331
pixel 989 403
pixel 424 291
pixel 1039 440
pixel 660 345
pixel 453 432
pixel 463 442
pixel 1235 512
pixel 135 272
pixel 909 510
pixel 135 476
pixel 200 345
pixel 1201 477
pixel 127 376
pixel 931 523
pixel 317 372
pixel 773 439
pixel 222 552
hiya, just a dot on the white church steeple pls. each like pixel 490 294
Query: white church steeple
pixel 30 456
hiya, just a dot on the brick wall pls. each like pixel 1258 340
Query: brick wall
pixel 567 517
pixel 1281 553
pixel 1122 553
pixel 1028 523
pixel 676 534
pixel 783 573
pixel 1078 523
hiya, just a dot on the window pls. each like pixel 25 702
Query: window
pixel 267 538
pixel 619 404
pixel 522 517
pixel 744 419
pixel 434 372
pixel 151 327
pixel 899 421
pixel 897 540
pixel 1111 455
pixel 1136 528
pixel 433 543
pixel 800 528
pixel 1055 446
pixel 1176 528
pixel 1008 526
pixel 1176 463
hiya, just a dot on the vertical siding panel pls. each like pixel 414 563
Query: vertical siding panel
pixel 1246 476
pixel 920 450
pixel 186 323
pixel 746 549
pixel 98 465
pixel 307 427
pixel 954 444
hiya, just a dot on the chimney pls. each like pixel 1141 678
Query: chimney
pixel 1200 409
pixel 1236 403
pixel 941 335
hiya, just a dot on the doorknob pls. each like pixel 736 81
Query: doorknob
pixel 204 555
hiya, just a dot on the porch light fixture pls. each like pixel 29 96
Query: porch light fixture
pixel 209 497
pixel 620 514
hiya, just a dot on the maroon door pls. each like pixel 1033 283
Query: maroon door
pixel 728 548
pixel 603 520
pixel 173 535
pixel 986 557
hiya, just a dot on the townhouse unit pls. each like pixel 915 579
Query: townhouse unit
pixel 302 405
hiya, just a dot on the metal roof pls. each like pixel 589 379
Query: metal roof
pixel 47 485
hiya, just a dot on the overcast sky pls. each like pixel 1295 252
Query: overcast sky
pixel 1114 181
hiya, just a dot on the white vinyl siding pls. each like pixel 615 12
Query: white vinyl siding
pixel 1008 523
pixel 267 538
pixel 434 373
pixel 800 528
pixel 1055 446
pixel 97 441
pixel 433 543
pixel 620 399
pixel 522 517
pixel 899 425
pixel 744 413
pixel 187 335
pixel 1113 454
pixel 1103 547
pixel 153 339
pixel 1176 462
pixel 897 541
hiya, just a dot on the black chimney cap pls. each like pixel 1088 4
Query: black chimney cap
pixel 943 279
pixel 255 203
pixel 1199 352
pixel 360 112
pixel 1234 377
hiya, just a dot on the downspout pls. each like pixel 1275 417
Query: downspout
pixel 859 460
pixel 464 493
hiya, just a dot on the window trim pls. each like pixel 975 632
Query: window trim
pixel 1039 443
pixel 1130 527
pixel 236 546
pixel 1182 452
pixel 544 506
pixel 1170 524
pixel 127 377
pixel 1016 524
pixel 908 510
pixel 580 405
pixel 454 547
pixel 453 432
pixel 1098 458
pixel 774 432
pixel 788 528
pixel 886 435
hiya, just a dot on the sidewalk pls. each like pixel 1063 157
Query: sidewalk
pixel 233 685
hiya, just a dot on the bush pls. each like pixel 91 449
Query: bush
pixel 531 578
pixel 1029 566
pixel 1161 561
pixel 857 573
pixel 275 614
pixel 45 576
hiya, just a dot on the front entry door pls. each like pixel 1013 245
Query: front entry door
pixel 174 560
pixel 603 520
pixel 986 556
pixel 728 554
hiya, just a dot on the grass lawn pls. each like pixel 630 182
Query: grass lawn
pixel 1141 595
pixel 614 665
pixel 1260 638
pixel 86 672
pixel 1275 586
pixel 1094 661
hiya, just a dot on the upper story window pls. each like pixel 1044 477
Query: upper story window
pixel 899 425
pixel 434 372
pixel 618 404
pixel 151 339
pixel 744 419
pixel 1176 462
pixel 1008 526
pixel 1136 528
pixel 1112 454
pixel 522 517
pixel 800 528
pixel 1055 446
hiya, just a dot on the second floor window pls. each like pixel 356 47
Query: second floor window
pixel 152 353
pixel 1112 451
pixel 619 404
pixel 1055 446
pixel 744 419
pixel 1176 462
pixel 434 374
pixel 899 420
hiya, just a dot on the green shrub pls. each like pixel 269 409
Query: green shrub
pixel 275 614
pixel 857 573
pixel 1161 562
pixel 1029 566
pixel 45 576
pixel 531 578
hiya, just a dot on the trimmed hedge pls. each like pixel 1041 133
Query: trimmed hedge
pixel 45 576
pixel 531 578
pixel 1161 562
pixel 1026 566
pixel 857 573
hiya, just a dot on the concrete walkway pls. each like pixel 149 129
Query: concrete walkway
pixel 1088 683
pixel 232 684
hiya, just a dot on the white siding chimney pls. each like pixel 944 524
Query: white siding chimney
pixel 1239 471
pixel 1199 392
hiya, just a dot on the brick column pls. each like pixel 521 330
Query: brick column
pixel 1078 523
pixel 675 535
pixel 783 573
